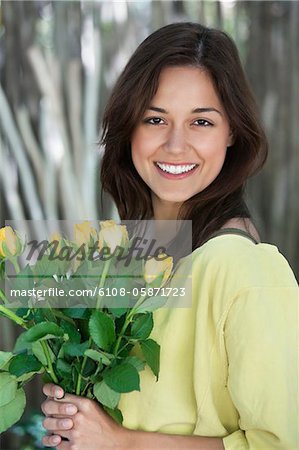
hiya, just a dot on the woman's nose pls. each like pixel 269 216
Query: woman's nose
pixel 176 142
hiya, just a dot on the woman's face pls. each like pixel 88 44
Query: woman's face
pixel 179 146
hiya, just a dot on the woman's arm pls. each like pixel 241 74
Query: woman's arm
pixel 261 340
pixel 146 440
pixel 89 427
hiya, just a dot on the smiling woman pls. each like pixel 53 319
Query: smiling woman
pixel 192 77
pixel 185 143
pixel 182 136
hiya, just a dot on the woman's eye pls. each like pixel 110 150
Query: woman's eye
pixel 154 121
pixel 203 123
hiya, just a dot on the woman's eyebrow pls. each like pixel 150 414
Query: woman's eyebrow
pixel 202 110
pixel 194 111
pixel 155 108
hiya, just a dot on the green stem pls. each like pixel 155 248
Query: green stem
pixel 85 389
pixel 138 303
pixel 78 386
pixel 122 333
pixel 124 346
pixel 50 369
pixel 101 285
pixel 16 265
pixel 102 281
pixel 127 322
pixel 2 296
pixel 12 316
pixel 60 315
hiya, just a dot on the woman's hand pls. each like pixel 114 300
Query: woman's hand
pixel 82 421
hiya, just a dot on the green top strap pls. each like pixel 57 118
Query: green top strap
pixel 234 231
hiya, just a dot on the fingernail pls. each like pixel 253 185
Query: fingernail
pixel 59 393
pixel 55 440
pixel 70 409
pixel 66 423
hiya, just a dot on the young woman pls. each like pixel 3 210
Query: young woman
pixel 182 136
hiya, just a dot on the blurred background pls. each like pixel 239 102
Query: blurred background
pixel 59 61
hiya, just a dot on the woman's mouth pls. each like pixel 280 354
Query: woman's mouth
pixel 175 171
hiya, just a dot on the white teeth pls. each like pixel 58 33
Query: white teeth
pixel 175 169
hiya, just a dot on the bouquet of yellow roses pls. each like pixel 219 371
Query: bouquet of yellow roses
pixel 85 347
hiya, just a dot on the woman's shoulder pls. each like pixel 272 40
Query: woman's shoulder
pixel 238 259
pixel 244 224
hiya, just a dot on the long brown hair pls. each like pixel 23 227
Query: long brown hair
pixel 181 44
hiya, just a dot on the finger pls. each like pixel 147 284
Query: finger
pixel 75 399
pixel 82 403
pixel 67 434
pixel 52 390
pixel 52 407
pixel 52 424
pixel 51 441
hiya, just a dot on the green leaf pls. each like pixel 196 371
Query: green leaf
pixel 28 376
pixel 126 351
pixel 43 330
pixel 118 312
pixel 142 326
pixel 115 414
pixel 4 358
pixel 101 328
pixel 90 270
pixel 68 385
pixel 84 329
pixel 156 283
pixel 71 331
pixel 24 363
pixel 63 368
pixel 90 368
pixel 24 313
pixel 21 344
pixel 23 282
pixel 39 353
pixel 98 356
pixel 12 411
pixel 152 303
pixel 46 378
pixel 136 362
pixel 45 267
pixel 76 313
pixel 105 395
pixel 151 353
pixel 73 350
pixel 122 378
pixel 56 345
pixel 8 388
pixel 43 315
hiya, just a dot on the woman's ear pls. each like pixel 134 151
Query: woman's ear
pixel 231 139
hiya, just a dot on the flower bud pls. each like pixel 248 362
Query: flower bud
pixel 10 243
pixel 158 269
pixel 83 232
pixel 113 235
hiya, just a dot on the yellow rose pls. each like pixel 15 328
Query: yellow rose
pixel 10 242
pixel 158 268
pixel 83 232
pixel 112 235
pixel 55 237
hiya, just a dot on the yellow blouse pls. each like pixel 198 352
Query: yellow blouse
pixel 229 362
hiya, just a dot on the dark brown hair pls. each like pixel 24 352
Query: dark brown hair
pixel 181 44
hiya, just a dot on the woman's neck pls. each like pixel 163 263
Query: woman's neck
pixel 164 210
